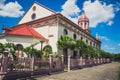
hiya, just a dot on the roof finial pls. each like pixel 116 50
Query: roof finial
pixel 3 27
pixel 97 36
pixel 83 11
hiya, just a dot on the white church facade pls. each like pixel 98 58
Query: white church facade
pixel 40 24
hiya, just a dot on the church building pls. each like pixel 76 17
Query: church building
pixel 43 27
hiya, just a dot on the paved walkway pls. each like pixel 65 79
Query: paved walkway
pixel 101 72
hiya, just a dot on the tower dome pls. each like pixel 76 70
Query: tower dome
pixel 83 22
pixel 83 17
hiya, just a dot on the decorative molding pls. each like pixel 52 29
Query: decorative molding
pixel 58 20
pixel 45 23
pixel 79 32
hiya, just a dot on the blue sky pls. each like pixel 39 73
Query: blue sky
pixel 104 16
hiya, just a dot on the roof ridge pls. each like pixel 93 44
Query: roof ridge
pixel 44 7
pixel 30 31
pixel 30 28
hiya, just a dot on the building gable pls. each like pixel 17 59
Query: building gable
pixel 36 11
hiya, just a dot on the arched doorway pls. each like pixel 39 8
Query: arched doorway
pixel 74 54
pixel 19 48
pixel 47 50
pixel 65 53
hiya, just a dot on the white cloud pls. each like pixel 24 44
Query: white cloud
pixel 112 48
pixel 1 3
pixel 71 10
pixel 98 12
pixel 117 6
pixel 11 9
pixel 104 38
pixel 108 48
pixel 119 44
pixel 110 23
pixel 105 45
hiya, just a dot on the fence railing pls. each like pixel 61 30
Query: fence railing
pixel 26 67
pixel 41 64
pixel 20 64
pixel 87 62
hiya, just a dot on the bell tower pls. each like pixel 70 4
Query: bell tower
pixel 83 22
pixel 97 36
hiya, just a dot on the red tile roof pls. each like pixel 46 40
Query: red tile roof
pixel 24 30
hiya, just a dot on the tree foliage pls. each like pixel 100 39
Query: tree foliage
pixel 30 50
pixel 47 51
pixel 116 57
pixel 90 51
pixel 9 47
pixel 66 42
pixel 81 47
pixel 1 48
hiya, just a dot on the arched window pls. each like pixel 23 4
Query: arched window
pixel 34 8
pixel 81 38
pixel 65 32
pixel 74 54
pixel 86 41
pixel 19 47
pixel 94 45
pixel 81 24
pixel 47 51
pixel 19 52
pixel 48 47
pixel 90 43
pixel 33 16
pixel 75 36
pixel 85 23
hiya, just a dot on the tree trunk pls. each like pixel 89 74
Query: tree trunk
pixel 65 53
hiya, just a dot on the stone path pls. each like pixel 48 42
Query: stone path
pixel 101 72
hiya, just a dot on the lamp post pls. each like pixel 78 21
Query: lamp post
pixel 41 44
